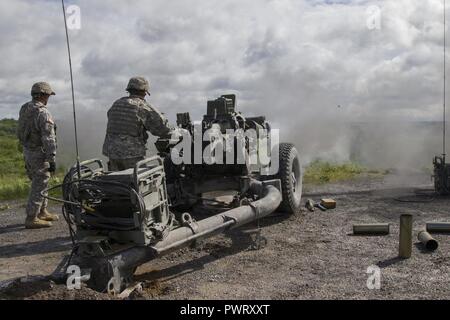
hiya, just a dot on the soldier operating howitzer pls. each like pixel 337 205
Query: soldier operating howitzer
pixel 129 119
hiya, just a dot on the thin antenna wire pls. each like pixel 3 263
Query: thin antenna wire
pixel 73 94
pixel 444 93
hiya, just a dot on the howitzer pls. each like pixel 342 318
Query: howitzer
pixel 120 220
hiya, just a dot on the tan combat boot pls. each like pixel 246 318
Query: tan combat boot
pixel 35 223
pixel 47 216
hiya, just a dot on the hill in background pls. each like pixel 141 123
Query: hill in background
pixel 13 180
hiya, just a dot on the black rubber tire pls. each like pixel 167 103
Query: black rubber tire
pixel 290 174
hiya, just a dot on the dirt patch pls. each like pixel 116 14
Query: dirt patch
pixel 147 290
pixel 41 288
pixel 310 255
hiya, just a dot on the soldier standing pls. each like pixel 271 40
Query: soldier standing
pixel 129 119
pixel 36 133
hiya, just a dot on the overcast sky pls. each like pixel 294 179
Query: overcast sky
pixel 294 60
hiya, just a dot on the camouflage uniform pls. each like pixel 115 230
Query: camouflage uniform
pixel 129 119
pixel 36 133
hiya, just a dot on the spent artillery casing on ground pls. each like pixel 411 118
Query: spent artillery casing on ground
pixel 405 243
pixel 371 228
pixel 427 240
pixel 438 227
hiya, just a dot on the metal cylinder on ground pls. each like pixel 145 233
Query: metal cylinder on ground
pixel 427 240
pixel 437 227
pixel 371 229
pixel 405 243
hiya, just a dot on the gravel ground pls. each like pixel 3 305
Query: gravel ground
pixel 310 255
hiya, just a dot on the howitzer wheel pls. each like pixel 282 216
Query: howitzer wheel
pixel 290 174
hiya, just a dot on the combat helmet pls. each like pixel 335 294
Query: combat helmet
pixel 42 87
pixel 139 83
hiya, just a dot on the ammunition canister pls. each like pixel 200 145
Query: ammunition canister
pixel 427 240
pixel 371 229
pixel 436 227
pixel 405 243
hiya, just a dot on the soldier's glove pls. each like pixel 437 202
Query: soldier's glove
pixel 52 167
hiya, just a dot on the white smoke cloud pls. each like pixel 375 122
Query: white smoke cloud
pixel 310 66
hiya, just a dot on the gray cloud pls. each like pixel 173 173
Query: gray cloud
pixel 294 61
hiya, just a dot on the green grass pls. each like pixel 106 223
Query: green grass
pixel 320 172
pixel 14 183
pixel 8 127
